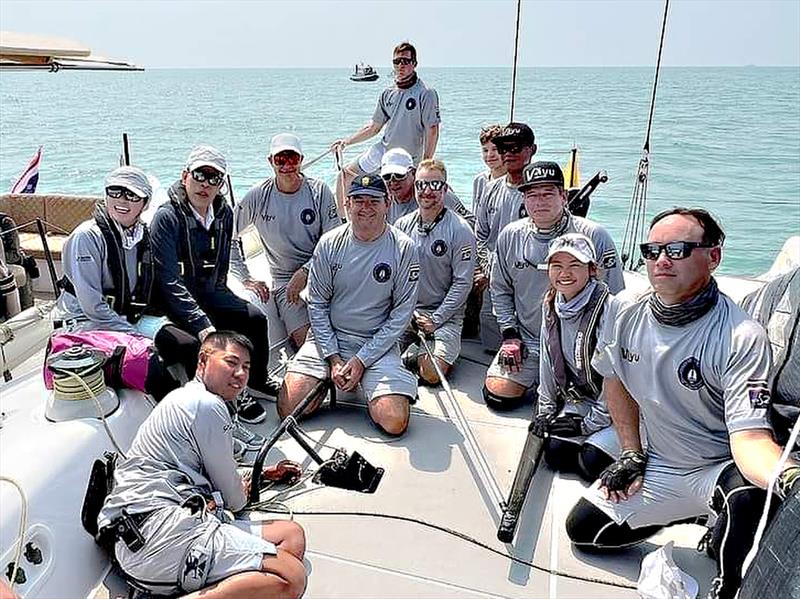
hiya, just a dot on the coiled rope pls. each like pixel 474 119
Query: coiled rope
pixel 637 211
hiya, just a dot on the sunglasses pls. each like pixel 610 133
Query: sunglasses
pixel 435 185
pixel 510 148
pixel 118 192
pixel 283 158
pixel 210 177
pixel 394 177
pixel 401 60
pixel 675 250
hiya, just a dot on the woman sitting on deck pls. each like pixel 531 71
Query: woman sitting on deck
pixel 571 408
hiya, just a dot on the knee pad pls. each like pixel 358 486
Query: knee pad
pixel 498 402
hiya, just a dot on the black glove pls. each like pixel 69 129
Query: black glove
pixel 788 482
pixel 567 425
pixel 619 475
pixel 540 426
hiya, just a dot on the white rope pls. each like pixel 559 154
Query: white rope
pixel 23 525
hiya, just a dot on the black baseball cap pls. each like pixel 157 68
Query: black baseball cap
pixel 367 185
pixel 541 172
pixel 515 133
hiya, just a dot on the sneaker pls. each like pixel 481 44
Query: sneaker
pixel 250 410
pixel 239 449
pixel 249 439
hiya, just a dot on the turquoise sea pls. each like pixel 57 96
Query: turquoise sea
pixel 727 139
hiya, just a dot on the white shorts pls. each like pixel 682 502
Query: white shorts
pixel 174 536
pixel 386 376
pixel 528 375
pixel 666 496
pixel 370 160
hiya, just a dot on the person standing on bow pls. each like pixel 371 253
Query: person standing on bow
pixel 290 211
pixel 399 174
pixel 108 283
pixel 362 290
pixel 692 366
pixel 518 285
pixel 446 247
pixel 191 244
pixel 571 412
pixel 502 204
pixel 408 114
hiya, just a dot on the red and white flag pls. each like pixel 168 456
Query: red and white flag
pixel 30 176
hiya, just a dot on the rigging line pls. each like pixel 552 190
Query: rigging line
pixel 514 69
pixel 655 79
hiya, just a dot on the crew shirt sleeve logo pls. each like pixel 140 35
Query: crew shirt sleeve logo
pixel 689 374
pixel 413 272
pixel 759 394
pixel 439 247
pixel 609 259
pixel 466 253
pixel 308 216
pixel 382 272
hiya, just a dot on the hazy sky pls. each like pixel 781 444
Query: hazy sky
pixel 330 33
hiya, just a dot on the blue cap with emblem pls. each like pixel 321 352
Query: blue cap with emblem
pixel 367 185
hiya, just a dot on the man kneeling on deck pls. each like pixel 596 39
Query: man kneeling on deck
pixel 518 285
pixel 166 511
pixel 447 255
pixel 690 364
pixel 362 289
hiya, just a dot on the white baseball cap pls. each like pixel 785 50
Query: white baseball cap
pixel 396 161
pixel 206 156
pixel 283 142
pixel 574 244
pixel 130 178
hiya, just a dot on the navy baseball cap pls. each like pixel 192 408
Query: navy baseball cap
pixel 367 185
pixel 515 133
pixel 539 173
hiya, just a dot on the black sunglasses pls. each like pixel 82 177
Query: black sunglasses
pixel 509 148
pixel 675 250
pixel 436 185
pixel 394 177
pixel 401 60
pixel 117 193
pixel 201 176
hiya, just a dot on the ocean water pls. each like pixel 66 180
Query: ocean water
pixel 727 139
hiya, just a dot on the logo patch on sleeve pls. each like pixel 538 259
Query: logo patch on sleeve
pixel 332 213
pixel 759 394
pixel 413 272
pixel 609 259
pixel 466 253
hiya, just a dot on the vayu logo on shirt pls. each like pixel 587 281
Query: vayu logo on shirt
pixel 578 354
pixel 523 264
pixel 308 216
pixel 439 247
pixel 629 355
pixel 689 374
pixel 411 104
pixel 382 272
pixel 269 217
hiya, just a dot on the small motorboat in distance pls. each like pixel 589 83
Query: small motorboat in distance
pixel 364 72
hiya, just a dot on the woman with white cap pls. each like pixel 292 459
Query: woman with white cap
pixel 108 280
pixel 571 412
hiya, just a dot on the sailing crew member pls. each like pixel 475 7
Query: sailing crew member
pixel 408 114
pixel 447 255
pixel 166 513
pixel 362 291
pixel 689 363
pixel 399 174
pixel 191 243
pixel 502 204
pixel 518 285
pixel 108 280
pixel 290 211
pixel 571 412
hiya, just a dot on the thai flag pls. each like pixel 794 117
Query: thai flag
pixel 30 176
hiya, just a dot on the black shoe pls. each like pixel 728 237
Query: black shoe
pixel 250 410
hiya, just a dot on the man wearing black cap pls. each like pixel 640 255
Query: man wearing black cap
pixel 362 291
pixel 502 204
pixel 518 284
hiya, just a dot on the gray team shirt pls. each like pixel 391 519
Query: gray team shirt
pixel 85 261
pixel 519 277
pixel 289 224
pixel 501 205
pixel 398 210
pixel 447 258
pixel 183 448
pixel 366 290
pixel 407 114
pixel 694 384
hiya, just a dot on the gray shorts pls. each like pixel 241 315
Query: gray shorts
pixel 446 343
pixel 528 375
pixel 196 548
pixel 386 376
pixel 284 317
pixel 667 495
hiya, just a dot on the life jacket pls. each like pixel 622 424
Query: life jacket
pixel 586 382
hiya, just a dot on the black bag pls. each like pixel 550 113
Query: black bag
pixel 101 482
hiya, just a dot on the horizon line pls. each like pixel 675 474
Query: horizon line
pixel 463 66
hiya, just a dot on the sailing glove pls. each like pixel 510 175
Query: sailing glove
pixel 619 475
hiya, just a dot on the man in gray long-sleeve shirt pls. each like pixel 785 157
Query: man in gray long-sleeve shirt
pixel 446 247
pixel 179 476
pixel 362 292
pixel 290 212
pixel 518 285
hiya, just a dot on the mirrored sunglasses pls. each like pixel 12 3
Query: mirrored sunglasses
pixel 120 192
pixel 435 185
pixel 675 250
pixel 394 177
pixel 211 177
pixel 282 158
